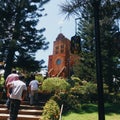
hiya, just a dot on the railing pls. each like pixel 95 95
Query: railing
pixel 60 71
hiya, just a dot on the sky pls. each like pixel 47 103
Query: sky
pixel 54 23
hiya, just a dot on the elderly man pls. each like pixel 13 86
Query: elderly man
pixel 11 77
pixel 16 96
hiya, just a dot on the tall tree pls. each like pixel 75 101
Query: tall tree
pixel 109 13
pixel 18 32
pixel 85 69
pixel 86 32
pixel 28 63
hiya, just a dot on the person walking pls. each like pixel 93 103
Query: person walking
pixel 16 96
pixel 11 77
pixel 33 90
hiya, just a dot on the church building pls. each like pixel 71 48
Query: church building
pixel 61 61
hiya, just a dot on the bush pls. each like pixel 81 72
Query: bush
pixel 55 85
pixel 74 80
pixel 1 83
pixel 51 111
pixel 39 78
pixel 86 92
pixel 70 101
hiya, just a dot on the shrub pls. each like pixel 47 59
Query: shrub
pixel 2 80
pixel 86 92
pixel 39 78
pixel 55 85
pixel 76 80
pixel 51 111
pixel 69 101
pixel 1 83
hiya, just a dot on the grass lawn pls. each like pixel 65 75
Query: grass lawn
pixel 89 112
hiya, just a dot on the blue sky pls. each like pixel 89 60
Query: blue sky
pixel 53 22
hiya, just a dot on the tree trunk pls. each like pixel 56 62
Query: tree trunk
pixel 9 62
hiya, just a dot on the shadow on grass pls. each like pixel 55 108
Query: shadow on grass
pixel 85 108
pixel 89 108
pixel 110 109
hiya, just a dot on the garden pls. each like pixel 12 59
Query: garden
pixel 74 99
pixel 77 99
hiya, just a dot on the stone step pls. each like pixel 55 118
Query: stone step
pixel 37 107
pixel 40 103
pixel 23 111
pixel 21 117
pixel 26 106
pixel 26 112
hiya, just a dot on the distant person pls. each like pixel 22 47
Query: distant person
pixel 10 78
pixel 33 90
pixel 16 96
pixel 116 84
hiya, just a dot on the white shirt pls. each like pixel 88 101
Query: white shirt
pixel 17 89
pixel 34 85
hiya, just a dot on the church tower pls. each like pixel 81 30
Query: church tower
pixel 58 63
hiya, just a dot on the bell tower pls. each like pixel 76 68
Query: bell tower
pixel 58 63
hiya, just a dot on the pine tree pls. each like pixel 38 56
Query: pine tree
pixel 109 13
pixel 18 32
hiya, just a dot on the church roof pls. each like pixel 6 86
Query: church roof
pixel 60 37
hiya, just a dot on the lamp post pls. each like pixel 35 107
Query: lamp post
pixel 101 114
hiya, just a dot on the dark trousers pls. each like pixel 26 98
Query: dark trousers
pixel 8 101
pixel 14 108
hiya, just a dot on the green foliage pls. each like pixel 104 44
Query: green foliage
pixel 60 88
pixel 1 83
pixel 18 33
pixel 112 98
pixel 90 112
pixel 76 80
pixel 39 78
pixel 1 80
pixel 55 85
pixel 51 111
pixel 28 63
pixel 86 92
pixel 90 88
pixel 105 88
pixel 70 101
pixel 109 29
pixel 108 49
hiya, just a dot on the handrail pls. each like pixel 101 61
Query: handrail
pixel 60 71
